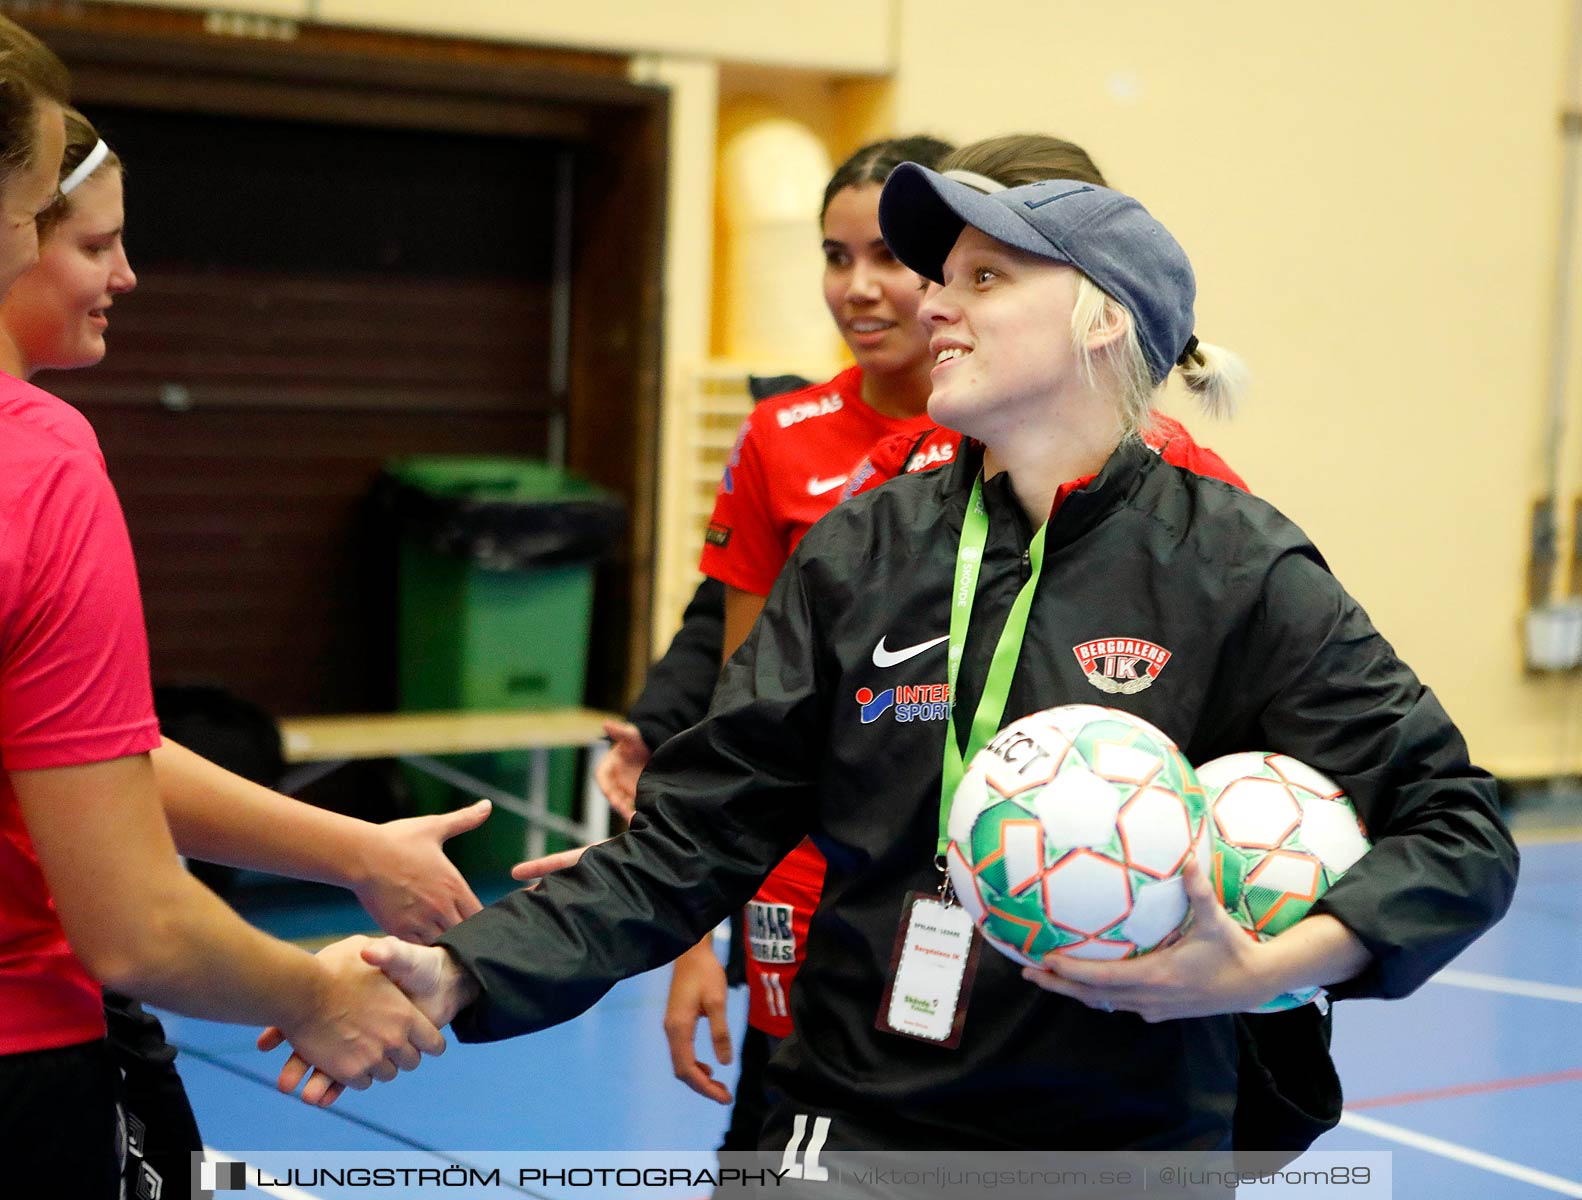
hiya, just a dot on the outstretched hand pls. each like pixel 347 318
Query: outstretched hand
pixel 618 770
pixel 358 1029
pixel 407 884
pixel 1212 968
pixel 430 981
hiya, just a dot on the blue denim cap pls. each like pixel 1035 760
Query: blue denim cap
pixel 1105 234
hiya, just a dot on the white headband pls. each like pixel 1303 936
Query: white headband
pixel 85 168
pixel 971 178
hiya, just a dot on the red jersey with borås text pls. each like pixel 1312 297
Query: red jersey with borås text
pixel 790 463
pixel 791 460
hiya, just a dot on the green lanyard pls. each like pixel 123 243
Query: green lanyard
pixel 997 687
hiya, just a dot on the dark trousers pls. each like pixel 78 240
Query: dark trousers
pixel 162 1133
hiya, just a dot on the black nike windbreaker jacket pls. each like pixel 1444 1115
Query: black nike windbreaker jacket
pixel 807 736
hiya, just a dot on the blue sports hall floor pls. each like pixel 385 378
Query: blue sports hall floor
pixel 1474 1084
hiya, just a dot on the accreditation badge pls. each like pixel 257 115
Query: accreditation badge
pixel 931 972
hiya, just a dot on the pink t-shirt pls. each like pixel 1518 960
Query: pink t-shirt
pixel 74 685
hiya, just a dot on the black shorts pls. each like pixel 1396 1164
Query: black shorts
pixel 162 1133
pixel 61 1132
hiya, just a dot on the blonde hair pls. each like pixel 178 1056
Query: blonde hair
pixel 1214 375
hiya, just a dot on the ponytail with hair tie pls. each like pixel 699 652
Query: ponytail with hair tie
pixel 1214 375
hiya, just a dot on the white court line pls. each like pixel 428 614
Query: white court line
pixel 1507 986
pixel 1462 1154
pixel 283 1191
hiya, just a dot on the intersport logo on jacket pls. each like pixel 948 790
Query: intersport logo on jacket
pixel 1121 666
pixel 909 702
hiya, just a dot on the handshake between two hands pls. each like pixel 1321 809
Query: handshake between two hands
pixel 379 1008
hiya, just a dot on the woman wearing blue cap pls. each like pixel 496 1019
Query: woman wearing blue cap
pixel 1062 306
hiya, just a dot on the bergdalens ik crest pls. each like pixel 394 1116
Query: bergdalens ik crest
pixel 1121 666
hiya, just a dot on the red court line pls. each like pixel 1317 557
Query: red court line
pixel 1469 1089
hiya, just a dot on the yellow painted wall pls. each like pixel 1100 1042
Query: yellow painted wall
pixel 842 113
pixel 1370 194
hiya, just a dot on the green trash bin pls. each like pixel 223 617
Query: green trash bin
pixel 495 598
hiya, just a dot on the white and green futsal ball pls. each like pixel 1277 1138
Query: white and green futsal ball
pixel 1283 833
pixel 1069 831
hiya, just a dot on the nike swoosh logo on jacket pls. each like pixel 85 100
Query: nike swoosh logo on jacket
pixel 883 657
